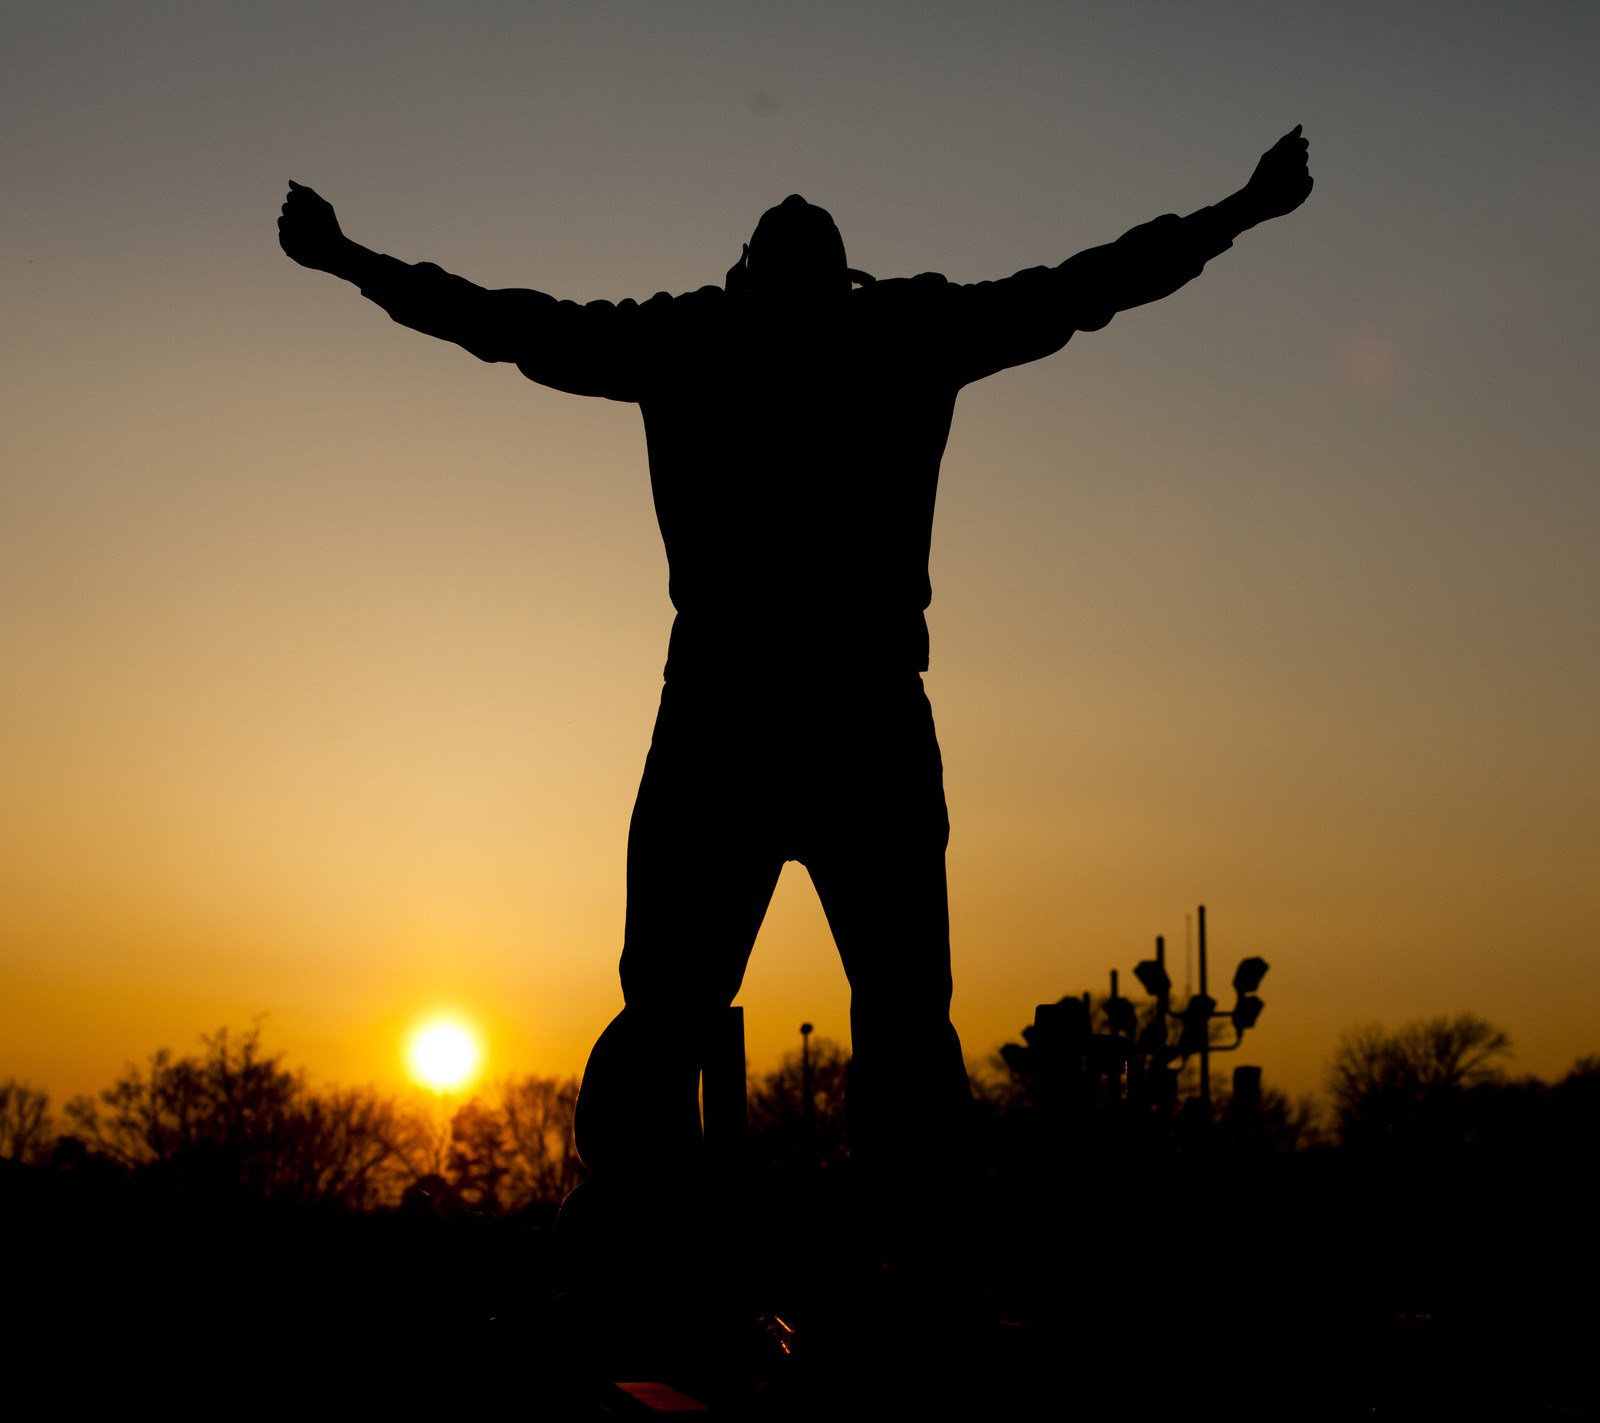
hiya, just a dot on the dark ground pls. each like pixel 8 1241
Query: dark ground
pixel 1301 1286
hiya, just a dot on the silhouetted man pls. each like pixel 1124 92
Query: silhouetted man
pixel 796 417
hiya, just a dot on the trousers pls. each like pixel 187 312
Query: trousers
pixel 844 775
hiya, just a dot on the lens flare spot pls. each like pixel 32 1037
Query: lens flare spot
pixel 444 1053
pixel 1371 363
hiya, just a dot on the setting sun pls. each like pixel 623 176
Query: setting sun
pixel 443 1053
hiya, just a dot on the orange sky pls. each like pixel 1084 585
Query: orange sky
pixel 332 653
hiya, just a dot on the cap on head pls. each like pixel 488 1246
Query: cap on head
pixel 796 249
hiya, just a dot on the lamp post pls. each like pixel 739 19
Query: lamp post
pixel 1121 1016
pixel 808 1098
pixel 1203 1011
pixel 1244 1013
pixel 1065 1059
pixel 1153 978
pixel 1194 1038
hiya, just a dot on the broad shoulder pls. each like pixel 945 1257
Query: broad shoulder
pixel 701 301
pixel 922 287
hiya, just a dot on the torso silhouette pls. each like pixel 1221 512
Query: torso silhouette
pixel 795 448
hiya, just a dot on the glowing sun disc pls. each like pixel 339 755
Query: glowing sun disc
pixel 443 1054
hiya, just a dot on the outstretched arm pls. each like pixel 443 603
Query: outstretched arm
pixel 1035 312
pixel 423 297
pixel 582 349
pixel 1155 259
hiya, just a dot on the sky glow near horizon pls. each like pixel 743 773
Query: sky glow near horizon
pixel 332 653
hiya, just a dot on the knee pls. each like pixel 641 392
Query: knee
pixel 638 1104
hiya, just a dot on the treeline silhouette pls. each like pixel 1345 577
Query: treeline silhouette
pixel 213 1218
pixel 1398 1243
pixel 233 1120
pixel 233 1123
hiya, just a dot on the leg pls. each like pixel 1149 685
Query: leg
pixel 643 1239
pixel 875 848
pixel 702 864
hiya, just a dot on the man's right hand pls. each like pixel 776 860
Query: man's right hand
pixel 308 230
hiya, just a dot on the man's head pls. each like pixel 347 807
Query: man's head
pixel 796 251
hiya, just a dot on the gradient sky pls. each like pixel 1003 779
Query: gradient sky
pixel 331 654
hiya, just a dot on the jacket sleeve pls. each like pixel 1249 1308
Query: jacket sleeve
pixel 591 349
pixel 1033 314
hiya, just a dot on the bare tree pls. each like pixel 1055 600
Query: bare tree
pixel 354 1148
pixel 786 1130
pixel 233 1119
pixel 542 1163
pixel 1413 1084
pixel 1275 1121
pixel 26 1127
pixel 478 1157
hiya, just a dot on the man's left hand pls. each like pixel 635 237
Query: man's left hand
pixel 1281 181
